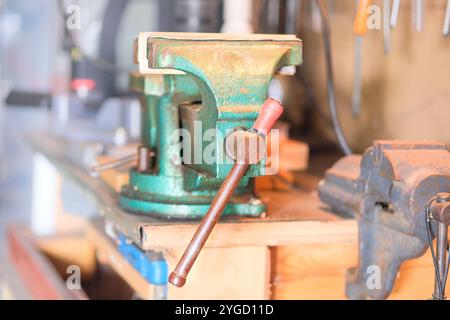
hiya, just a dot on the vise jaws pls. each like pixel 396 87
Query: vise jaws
pixel 204 86
pixel 387 190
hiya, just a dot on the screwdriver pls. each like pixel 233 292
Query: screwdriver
pixel 394 13
pixel 417 15
pixel 386 26
pixel 446 28
pixel 359 30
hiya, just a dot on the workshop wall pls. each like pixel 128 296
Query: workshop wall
pixel 405 95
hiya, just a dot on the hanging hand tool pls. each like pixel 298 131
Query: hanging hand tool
pixel 446 28
pixel 386 26
pixel 315 17
pixel 360 30
pixel 394 13
pixel 417 15
pixel 247 146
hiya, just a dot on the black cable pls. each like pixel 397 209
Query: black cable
pixel 433 255
pixel 444 280
pixel 440 283
pixel 342 141
pixel 100 63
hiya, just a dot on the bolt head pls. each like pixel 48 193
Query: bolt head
pixel 245 146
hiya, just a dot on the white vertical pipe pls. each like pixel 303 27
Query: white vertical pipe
pixel 45 195
pixel 237 16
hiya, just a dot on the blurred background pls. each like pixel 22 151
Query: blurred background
pixel 64 67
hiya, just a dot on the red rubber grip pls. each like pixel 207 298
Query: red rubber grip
pixel 79 83
pixel 270 112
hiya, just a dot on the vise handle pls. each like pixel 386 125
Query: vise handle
pixel 270 112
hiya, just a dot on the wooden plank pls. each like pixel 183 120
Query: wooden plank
pixel 312 271
pixel 295 217
pixel 69 249
pixel 115 178
pixel 311 224
pixel 220 36
pixel 415 281
pixel 57 151
pixel 252 233
pixel 108 253
pixel 225 273
pixel 317 271
pixel 221 273
pixel 35 270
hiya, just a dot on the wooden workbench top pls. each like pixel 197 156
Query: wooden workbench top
pixel 294 217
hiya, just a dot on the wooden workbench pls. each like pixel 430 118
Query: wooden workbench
pixel 294 216
pixel 298 251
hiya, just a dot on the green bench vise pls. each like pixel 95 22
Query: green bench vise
pixel 197 89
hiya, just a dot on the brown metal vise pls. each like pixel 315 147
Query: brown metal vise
pixel 387 190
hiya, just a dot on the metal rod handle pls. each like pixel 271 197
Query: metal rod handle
pixel 179 274
pixel 270 112
pixel 112 164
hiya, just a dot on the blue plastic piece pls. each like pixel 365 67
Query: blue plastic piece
pixel 154 271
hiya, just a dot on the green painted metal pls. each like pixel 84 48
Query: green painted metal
pixel 225 84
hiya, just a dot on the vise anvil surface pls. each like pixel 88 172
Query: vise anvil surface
pixel 199 83
pixel 387 190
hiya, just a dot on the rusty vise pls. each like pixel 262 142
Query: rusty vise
pixel 387 190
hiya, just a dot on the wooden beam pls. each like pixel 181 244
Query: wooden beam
pixel 220 273
pixel 253 234
pixel 108 253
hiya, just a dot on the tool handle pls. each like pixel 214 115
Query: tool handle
pixel 417 17
pixel 394 13
pixel 360 24
pixel 446 27
pixel 270 112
